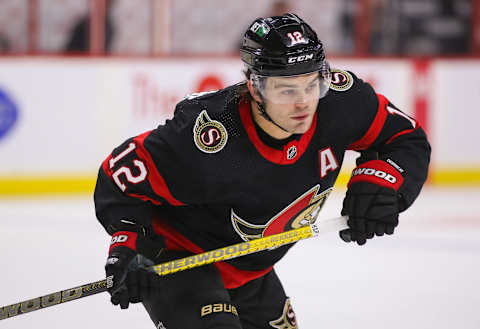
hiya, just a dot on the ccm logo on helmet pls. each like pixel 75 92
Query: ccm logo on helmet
pixel 119 239
pixel 373 172
pixel 301 58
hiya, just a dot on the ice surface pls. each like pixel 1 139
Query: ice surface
pixel 427 275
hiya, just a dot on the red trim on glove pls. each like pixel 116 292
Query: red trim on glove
pixel 377 172
pixel 123 238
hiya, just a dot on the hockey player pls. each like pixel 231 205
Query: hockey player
pixel 253 159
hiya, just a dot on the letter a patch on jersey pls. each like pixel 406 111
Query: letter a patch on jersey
pixel 210 136
pixel 327 161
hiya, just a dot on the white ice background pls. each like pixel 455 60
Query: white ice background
pixel 427 275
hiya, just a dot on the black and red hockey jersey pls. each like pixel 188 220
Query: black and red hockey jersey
pixel 206 179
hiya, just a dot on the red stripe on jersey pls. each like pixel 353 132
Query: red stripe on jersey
pixel 106 166
pixel 145 198
pixel 408 131
pixel 232 277
pixel 155 178
pixel 374 130
pixel 270 153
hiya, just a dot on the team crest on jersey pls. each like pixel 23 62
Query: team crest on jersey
pixel 287 320
pixel 341 80
pixel 210 136
pixel 301 212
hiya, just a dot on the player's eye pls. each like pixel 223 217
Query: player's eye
pixel 312 87
pixel 288 92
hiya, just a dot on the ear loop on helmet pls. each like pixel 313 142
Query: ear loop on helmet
pixel 263 111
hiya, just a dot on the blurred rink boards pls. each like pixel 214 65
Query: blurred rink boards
pixel 60 117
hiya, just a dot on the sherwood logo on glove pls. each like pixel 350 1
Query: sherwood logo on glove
pixel 119 239
pixel 377 172
pixel 123 238
pixel 373 172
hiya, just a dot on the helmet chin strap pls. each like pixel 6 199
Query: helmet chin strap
pixel 264 114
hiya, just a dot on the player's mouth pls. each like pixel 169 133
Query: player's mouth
pixel 300 117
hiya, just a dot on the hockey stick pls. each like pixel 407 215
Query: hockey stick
pixel 182 264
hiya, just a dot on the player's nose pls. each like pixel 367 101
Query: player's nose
pixel 301 99
pixel 301 106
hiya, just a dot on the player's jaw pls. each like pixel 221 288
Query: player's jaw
pixel 298 118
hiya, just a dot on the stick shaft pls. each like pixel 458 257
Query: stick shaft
pixel 55 298
pixel 253 246
pixel 182 264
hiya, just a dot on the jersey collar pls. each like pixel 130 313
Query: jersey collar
pixel 290 153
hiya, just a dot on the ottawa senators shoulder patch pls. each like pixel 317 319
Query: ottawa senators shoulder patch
pixel 287 320
pixel 341 80
pixel 210 136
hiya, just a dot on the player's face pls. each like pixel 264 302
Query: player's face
pixel 292 101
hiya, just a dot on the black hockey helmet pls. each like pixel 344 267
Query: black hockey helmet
pixel 282 46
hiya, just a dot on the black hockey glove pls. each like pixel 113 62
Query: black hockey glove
pixel 371 202
pixel 132 278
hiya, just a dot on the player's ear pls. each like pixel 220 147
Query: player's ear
pixel 253 91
